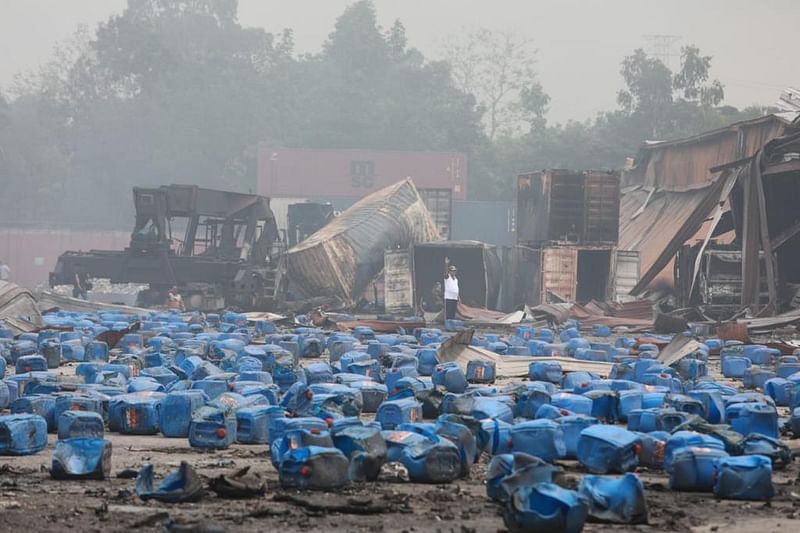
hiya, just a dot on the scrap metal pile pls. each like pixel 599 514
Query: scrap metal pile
pixel 336 408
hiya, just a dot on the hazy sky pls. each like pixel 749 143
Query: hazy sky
pixel 580 42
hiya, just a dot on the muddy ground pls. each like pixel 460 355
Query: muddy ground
pixel 30 499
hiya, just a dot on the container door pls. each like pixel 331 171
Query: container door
pixel 627 274
pixel 398 287
pixel 602 208
pixel 559 273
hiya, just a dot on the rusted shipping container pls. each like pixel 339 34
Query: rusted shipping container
pixel 575 273
pixel 329 174
pixel 32 253
pixel 480 273
pixel 342 258
pixel 411 275
pixel 568 206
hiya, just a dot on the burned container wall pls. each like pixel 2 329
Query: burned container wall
pixel 572 273
pixel 528 282
pixel 479 270
pixel 341 259
pixel 493 268
pixel 568 207
pixel 559 273
pixel 398 282
pixel 511 289
pixel 602 207
pixel 567 216
pixel 532 208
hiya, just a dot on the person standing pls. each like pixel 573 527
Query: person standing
pixel 451 293
pixel 5 271
pixel 80 285
pixel 175 300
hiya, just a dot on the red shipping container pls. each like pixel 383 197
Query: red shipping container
pixel 32 253
pixel 303 173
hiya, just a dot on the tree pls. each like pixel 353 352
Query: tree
pixel 369 89
pixel 691 79
pixel 177 91
pixel 648 81
pixel 497 68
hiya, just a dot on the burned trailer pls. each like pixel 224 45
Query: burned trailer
pixel 411 275
pixel 568 229
pixel 216 247
pixel 341 259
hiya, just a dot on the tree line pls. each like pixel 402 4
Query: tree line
pixel 178 91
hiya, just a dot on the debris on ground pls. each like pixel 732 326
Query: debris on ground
pixel 568 423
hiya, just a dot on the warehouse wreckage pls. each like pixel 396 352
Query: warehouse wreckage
pixel 712 207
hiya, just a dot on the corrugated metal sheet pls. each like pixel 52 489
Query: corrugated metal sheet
pixel 684 164
pixel 678 228
pixel 32 253
pixel 18 308
pixel 343 257
pixel 296 172
pixel 651 230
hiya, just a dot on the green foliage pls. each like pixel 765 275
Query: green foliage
pixel 498 68
pixel 177 91
pixel 654 105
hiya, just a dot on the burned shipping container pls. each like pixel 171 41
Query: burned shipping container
pixel 568 206
pixel 306 218
pixel 571 273
pixel 568 228
pixel 412 275
pixel 341 259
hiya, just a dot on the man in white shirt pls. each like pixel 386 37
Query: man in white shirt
pixel 450 293
pixel 5 271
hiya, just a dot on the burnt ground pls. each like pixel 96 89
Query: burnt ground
pixel 29 498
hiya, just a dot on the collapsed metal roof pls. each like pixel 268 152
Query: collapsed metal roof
pixel 685 164
pixel 676 185
pixel 18 309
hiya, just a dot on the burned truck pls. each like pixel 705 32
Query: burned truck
pixel 219 248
